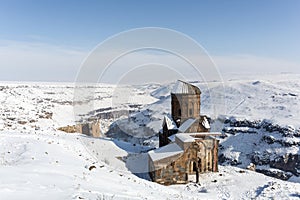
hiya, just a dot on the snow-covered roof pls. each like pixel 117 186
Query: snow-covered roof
pixel 164 152
pixel 185 137
pixel 205 123
pixel 182 87
pixel 191 137
pixel 172 138
pixel 171 125
pixel 186 125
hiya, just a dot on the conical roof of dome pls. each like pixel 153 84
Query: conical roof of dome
pixel 182 87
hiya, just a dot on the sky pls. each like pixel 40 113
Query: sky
pixel 49 40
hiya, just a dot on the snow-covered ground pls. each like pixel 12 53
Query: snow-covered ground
pixel 39 162
pixel 56 165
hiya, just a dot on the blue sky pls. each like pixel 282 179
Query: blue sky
pixel 237 34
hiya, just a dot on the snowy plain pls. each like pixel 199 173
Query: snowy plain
pixel 39 162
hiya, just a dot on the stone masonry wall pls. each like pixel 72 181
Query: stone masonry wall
pixel 177 171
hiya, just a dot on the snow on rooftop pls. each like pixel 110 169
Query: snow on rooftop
pixel 184 137
pixel 186 125
pixel 182 87
pixel 205 123
pixel 172 138
pixel 191 137
pixel 164 152
pixel 170 122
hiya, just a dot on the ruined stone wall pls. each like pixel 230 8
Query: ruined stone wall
pixel 90 128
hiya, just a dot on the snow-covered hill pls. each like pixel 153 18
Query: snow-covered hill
pixel 55 165
pixel 260 124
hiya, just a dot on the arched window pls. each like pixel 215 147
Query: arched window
pixel 191 111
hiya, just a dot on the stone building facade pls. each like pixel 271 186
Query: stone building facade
pixel 183 160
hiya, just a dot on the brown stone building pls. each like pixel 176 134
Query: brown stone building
pixel 187 148
pixel 186 118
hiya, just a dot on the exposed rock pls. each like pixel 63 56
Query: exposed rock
pixel 32 121
pixel 260 159
pixel 223 159
pixel 293 95
pixel 269 134
pixel 11 118
pixel 289 163
pixel 69 129
pixel 276 174
pixel 251 167
pixel 92 167
pixel 268 139
pixel 22 122
pixel 48 115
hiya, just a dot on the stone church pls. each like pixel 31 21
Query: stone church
pixel 187 147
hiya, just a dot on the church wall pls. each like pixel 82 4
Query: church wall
pixel 177 171
pixel 185 106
